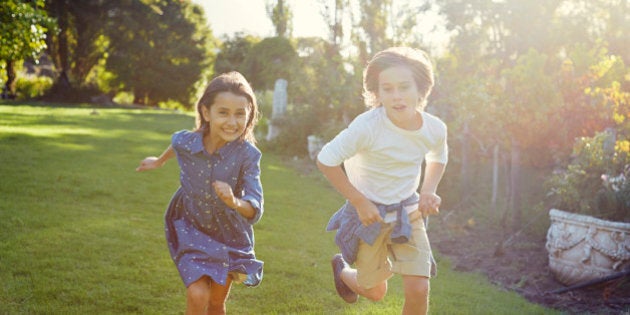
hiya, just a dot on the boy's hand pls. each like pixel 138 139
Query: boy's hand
pixel 368 212
pixel 429 204
pixel 149 163
pixel 224 191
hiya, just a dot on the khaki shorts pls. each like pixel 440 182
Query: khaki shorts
pixel 378 262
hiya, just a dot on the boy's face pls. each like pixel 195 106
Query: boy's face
pixel 228 117
pixel 398 93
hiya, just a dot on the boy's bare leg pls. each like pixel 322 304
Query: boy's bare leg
pixel 416 295
pixel 377 293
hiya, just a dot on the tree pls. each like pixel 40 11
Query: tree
pixel 269 60
pixel 334 20
pixel 75 48
pixel 531 99
pixel 158 51
pixel 23 27
pixel 514 38
pixel 371 33
pixel 234 52
pixel 281 16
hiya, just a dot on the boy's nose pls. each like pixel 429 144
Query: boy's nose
pixel 397 94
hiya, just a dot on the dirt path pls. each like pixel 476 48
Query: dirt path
pixel 522 266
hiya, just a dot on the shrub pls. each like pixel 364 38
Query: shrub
pixel 32 86
pixel 594 182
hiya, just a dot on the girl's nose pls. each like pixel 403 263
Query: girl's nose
pixel 232 120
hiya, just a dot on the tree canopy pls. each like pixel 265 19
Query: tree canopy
pixel 518 82
pixel 23 27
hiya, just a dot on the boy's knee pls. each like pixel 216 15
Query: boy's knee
pixel 417 289
pixel 377 293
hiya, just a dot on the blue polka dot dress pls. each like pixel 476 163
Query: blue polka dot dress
pixel 205 236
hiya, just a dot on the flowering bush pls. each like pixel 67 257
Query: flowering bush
pixel 615 197
pixel 596 182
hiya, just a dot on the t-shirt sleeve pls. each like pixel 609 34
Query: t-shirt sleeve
pixel 439 152
pixel 345 145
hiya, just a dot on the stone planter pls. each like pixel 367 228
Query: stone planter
pixel 583 248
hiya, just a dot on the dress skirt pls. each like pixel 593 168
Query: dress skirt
pixel 196 253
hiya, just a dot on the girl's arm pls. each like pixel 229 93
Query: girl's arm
pixel 224 191
pixel 429 201
pixel 249 199
pixel 367 211
pixel 152 162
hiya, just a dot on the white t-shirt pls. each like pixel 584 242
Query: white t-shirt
pixel 383 161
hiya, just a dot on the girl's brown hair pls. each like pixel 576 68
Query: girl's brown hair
pixel 415 60
pixel 236 83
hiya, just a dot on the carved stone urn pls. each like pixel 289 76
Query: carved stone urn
pixel 583 248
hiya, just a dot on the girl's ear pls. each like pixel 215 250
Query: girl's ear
pixel 205 113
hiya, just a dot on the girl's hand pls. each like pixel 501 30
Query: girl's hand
pixel 149 163
pixel 368 212
pixel 224 191
pixel 429 204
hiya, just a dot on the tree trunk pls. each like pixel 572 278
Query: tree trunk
pixel 464 175
pixel 495 178
pixel 63 82
pixel 515 179
pixel 9 86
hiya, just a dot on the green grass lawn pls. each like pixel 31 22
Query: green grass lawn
pixel 82 233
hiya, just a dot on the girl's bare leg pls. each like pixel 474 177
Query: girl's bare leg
pixel 218 296
pixel 197 296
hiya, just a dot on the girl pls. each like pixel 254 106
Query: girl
pixel 209 219
pixel 381 228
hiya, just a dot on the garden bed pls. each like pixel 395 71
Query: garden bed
pixel 522 266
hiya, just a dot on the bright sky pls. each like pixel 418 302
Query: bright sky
pixel 227 17
pixel 250 16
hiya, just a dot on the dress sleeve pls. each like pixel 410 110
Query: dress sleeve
pixel 181 139
pixel 252 187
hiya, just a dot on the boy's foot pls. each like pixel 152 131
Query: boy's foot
pixel 342 289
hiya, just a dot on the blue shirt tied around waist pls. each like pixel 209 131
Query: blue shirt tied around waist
pixel 350 229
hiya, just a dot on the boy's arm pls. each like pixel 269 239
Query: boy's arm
pixel 367 211
pixel 429 200
pixel 153 162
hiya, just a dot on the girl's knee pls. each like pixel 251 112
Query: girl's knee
pixel 198 293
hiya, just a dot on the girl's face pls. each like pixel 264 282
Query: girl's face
pixel 398 93
pixel 228 117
